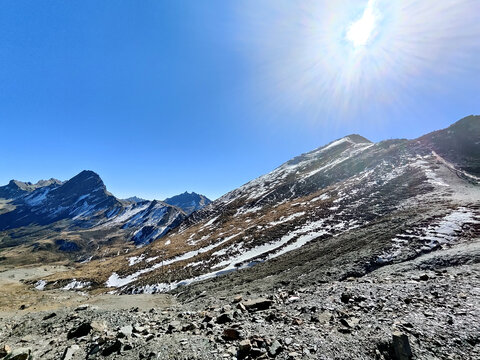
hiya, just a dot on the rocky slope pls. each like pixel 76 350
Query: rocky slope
pixel 398 199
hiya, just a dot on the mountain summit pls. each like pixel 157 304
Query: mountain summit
pixel 188 202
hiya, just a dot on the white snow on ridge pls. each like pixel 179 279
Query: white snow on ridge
pixel 443 231
pixel 313 231
pixel 129 212
pixel 284 219
pixel 74 284
pixel 116 281
pixel 37 198
pixel 348 154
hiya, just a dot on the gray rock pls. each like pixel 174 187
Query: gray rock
pixel 275 348
pixel 244 348
pixel 112 347
pixel 401 346
pixel 82 330
pixel 232 334
pixel 4 351
pixel 224 318
pixel 174 326
pixel 20 354
pixel 257 304
pixel 125 331
pixel 350 322
pixel 68 353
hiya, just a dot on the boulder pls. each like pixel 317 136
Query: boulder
pixel 244 348
pixel 174 326
pixel 257 304
pixel 232 334
pixel 125 331
pixel 224 318
pixel 275 348
pixel 20 354
pixel 82 330
pixel 401 346
pixel 113 347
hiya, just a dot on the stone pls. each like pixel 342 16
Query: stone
pixel 401 346
pixel 288 341
pixel 5 350
pixel 69 351
pixel 350 322
pixel 224 318
pixel 111 348
pixel 232 334
pixel 20 354
pixel 174 326
pixel 82 307
pixel 237 299
pixel 257 352
pixel 189 327
pixel 424 277
pixel 208 317
pixel 244 348
pixel 275 348
pixel 49 316
pixel 345 298
pixel 241 307
pixel 297 321
pixel 82 330
pixel 257 304
pixel 125 331
pixel 98 326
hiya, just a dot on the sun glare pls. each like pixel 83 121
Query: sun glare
pixel 360 32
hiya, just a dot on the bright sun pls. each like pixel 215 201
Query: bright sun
pixel 360 31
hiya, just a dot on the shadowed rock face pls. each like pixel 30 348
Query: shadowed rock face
pixel 82 199
pixel 459 144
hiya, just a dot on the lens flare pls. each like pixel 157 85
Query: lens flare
pixel 339 58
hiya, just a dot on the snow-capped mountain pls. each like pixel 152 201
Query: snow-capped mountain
pixel 188 202
pixel 366 203
pixel 82 211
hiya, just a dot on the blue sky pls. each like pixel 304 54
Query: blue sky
pixel 159 97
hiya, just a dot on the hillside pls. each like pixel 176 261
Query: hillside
pixel 310 209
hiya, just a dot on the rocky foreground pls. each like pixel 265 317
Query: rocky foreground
pixel 428 308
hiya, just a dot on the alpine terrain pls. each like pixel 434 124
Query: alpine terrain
pixel 355 250
pixel 77 219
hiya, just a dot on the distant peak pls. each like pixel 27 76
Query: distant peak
pixel 86 175
pixel 87 179
pixel 358 139
pixel 15 183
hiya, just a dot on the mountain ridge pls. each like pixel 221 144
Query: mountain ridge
pixel 332 192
